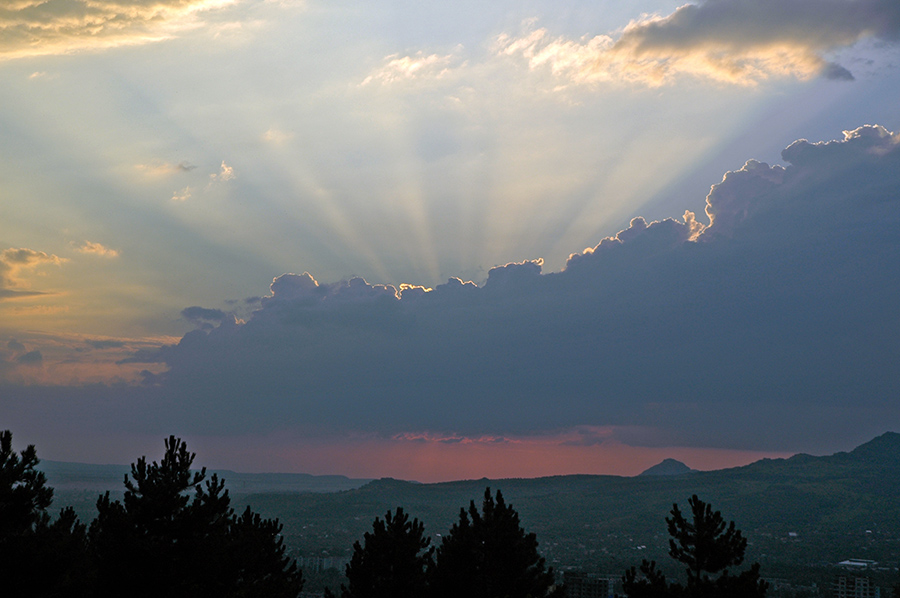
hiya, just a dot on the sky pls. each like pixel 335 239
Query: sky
pixel 439 240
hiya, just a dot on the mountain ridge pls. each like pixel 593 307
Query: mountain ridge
pixel 667 467
pixel 798 512
pixel 109 476
pixel 66 475
pixel 826 508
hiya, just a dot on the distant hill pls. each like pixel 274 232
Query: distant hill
pixel 667 467
pixel 65 476
pixel 799 512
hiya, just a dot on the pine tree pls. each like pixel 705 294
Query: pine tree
pixel 392 561
pixel 489 555
pixel 24 494
pixel 706 545
pixel 38 557
pixel 649 582
pixel 256 559
pixel 176 535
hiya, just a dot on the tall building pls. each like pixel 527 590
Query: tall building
pixel 848 586
pixel 582 585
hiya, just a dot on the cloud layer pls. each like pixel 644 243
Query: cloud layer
pixel 783 304
pixel 40 27
pixel 727 41
pixel 15 262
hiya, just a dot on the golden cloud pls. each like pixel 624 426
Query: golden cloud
pixel 403 68
pixel 98 249
pixel 46 27
pixel 727 41
pixel 14 260
pixel 27 258
pixel 598 60
pixel 158 169
pixel 183 195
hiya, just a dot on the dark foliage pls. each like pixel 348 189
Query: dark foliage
pixel 489 555
pixel 705 545
pixel 177 535
pixel 24 495
pixel 256 560
pixel 392 561
pixel 28 538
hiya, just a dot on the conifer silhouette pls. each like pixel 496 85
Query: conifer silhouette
pixel 487 554
pixel 38 557
pixel 706 545
pixel 176 534
pixel 392 561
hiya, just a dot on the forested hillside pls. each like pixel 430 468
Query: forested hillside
pixel 799 514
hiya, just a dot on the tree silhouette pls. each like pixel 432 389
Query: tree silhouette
pixel 489 555
pixel 176 534
pixel 705 545
pixel 38 557
pixel 24 494
pixel 392 562
pixel 649 582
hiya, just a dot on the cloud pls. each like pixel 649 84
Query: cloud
pixel 30 358
pixel 9 293
pixel 205 318
pixel 14 262
pixel 770 325
pixel 98 249
pixel 783 302
pixel 726 41
pixel 225 174
pixel 105 344
pixel 42 27
pixel 163 169
pixel 183 195
pixel 277 136
pixel 28 258
pixel 66 361
pixel 418 66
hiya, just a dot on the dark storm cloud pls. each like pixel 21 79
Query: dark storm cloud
pixel 203 317
pixel 783 307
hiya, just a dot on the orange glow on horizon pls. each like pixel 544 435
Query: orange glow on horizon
pixel 430 459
